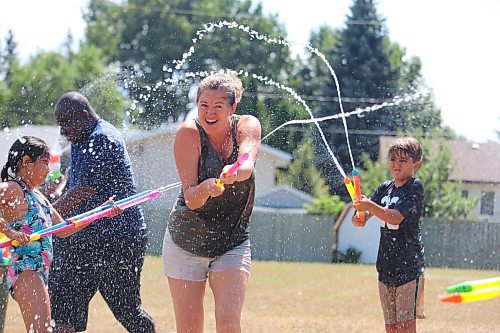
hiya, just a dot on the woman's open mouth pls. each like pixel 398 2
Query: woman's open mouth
pixel 211 122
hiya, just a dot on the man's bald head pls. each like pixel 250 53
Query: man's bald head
pixel 75 116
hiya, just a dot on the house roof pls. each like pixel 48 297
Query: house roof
pixel 473 162
pixel 282 196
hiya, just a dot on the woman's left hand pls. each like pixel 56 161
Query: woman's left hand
pixel 227 178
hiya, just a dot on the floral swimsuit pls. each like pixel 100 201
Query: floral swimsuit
pixel 36 255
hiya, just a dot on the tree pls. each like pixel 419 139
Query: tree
pixel 36 86
pixel 302 173
pixel 10 59
pixel 443 198
pixel 371 70
pixel 145 37
pixel 366 75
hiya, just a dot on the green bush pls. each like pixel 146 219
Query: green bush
pixel 326 205
pixel 351 256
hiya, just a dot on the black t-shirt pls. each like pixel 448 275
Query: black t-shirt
pixel 401 251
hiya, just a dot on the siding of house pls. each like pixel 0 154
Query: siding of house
pixel 154 166
pixel 476 190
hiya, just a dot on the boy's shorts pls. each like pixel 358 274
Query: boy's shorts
pixel 183 265
pixel 402 303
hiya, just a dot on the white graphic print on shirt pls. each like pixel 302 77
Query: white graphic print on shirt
pixel 387 201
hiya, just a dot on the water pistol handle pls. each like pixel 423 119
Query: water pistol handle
pixel 234 167
pixel 354 198
pixel 357 188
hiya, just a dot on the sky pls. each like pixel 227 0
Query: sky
pixel 456 40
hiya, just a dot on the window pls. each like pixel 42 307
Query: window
pixel 465 194
pixel 487 203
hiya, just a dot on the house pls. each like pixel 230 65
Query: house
pixel 477 166
pixel 282 196
pixel 365 240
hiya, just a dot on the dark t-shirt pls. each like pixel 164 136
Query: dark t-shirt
pixel 102 162
pixel 401 251
pixel 222 223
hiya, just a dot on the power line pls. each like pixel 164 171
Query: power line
pixel 322 98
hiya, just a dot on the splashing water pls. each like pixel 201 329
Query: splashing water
pixel 270 82
pixel 210 27
pixel 396 101
pixel 169 187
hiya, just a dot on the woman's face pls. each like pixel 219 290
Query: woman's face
pixel 214 111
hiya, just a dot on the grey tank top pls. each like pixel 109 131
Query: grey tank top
pixel 222 223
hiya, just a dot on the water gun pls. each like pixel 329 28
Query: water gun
pixel 234 167
pixel 354 196
pixel 87 217
pixel 357 188
pixel 55 168
pixel 474 285
pixel 471 291
pixel 5 256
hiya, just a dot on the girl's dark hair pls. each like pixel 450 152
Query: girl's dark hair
pixel 30 146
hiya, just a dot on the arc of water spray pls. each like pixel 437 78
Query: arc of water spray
pixel 396 101
pixel 209 27
pixel 168 187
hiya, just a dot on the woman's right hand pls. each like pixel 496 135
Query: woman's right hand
pixel 212 188
pixel 20 236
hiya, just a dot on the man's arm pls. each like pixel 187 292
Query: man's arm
pixel 73 199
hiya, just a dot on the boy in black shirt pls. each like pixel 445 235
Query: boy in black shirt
pixel 399 204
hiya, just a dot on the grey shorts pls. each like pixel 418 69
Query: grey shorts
pixel 402 303
pixel 183 265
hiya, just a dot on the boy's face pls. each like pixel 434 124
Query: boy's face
pixel 402 167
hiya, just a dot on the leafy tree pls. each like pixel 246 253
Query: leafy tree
pixel 327 205
pixel 36 86
pixel 302 173
pixel 370 70
pixel 146 36
pixel 10 59
pixel 443 198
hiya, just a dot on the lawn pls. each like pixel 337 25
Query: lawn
pixel 307 297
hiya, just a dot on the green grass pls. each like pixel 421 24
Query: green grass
pixel 307 297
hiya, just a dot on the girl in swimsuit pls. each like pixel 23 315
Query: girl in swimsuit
pixel 25 210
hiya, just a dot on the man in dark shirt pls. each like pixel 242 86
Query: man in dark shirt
pixel 108 255
pixel 399 204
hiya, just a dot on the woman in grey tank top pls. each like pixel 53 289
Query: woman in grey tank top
pixel 207 234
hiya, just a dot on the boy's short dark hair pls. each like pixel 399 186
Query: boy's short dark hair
pixel 406 146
